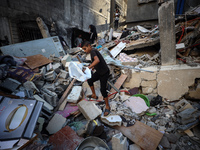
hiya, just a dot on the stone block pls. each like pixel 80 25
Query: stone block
pixel 55 124
pixel 75 94
pixel 119 142
pixel 152 84
pixel 89 110
pixel 112 120
pixel 134 147
pixel 182 105
pixel 147 90
pixel 134 81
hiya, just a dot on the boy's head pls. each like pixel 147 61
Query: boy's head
pixel 86 46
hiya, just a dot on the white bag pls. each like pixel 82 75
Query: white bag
pixel 75 71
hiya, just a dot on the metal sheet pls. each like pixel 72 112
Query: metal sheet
pixel 33 120
pixel 45 47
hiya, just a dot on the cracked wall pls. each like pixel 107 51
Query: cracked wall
pixel 171 82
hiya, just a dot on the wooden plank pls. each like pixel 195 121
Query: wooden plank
pixel 146 137
pixel 117 49
pixel 36 61
pixel 65 94
pixel 118 84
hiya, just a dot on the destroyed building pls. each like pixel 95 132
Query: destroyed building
pixel 153 88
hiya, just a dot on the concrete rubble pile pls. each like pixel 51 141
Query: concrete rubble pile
pixel 187 36
pixel 177 121
pixel 70 120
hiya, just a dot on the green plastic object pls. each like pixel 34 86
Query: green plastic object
pixel 144 98
pixel 146 101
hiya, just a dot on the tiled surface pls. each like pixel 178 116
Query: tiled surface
pixel 65 139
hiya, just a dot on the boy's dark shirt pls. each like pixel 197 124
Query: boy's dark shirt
pixel 101 67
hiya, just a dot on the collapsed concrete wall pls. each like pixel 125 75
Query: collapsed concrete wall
pixel 171 82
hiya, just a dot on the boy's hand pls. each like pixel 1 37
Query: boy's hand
pixel 83 69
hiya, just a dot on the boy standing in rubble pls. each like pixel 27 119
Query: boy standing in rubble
pixel 102 74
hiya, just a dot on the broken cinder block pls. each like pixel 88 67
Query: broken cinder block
pixel 63 74
pixel 89 110
pixel 47 105
pixel 75 94
pixel 50 76
pixel 182 105
pixel 49 96
pixel 119 142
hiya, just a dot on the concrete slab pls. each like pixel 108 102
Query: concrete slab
pixel 89 110
pixel 147 90
pixel 55 124
pixel 174 81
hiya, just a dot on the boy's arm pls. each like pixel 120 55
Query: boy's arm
pixel 94 63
